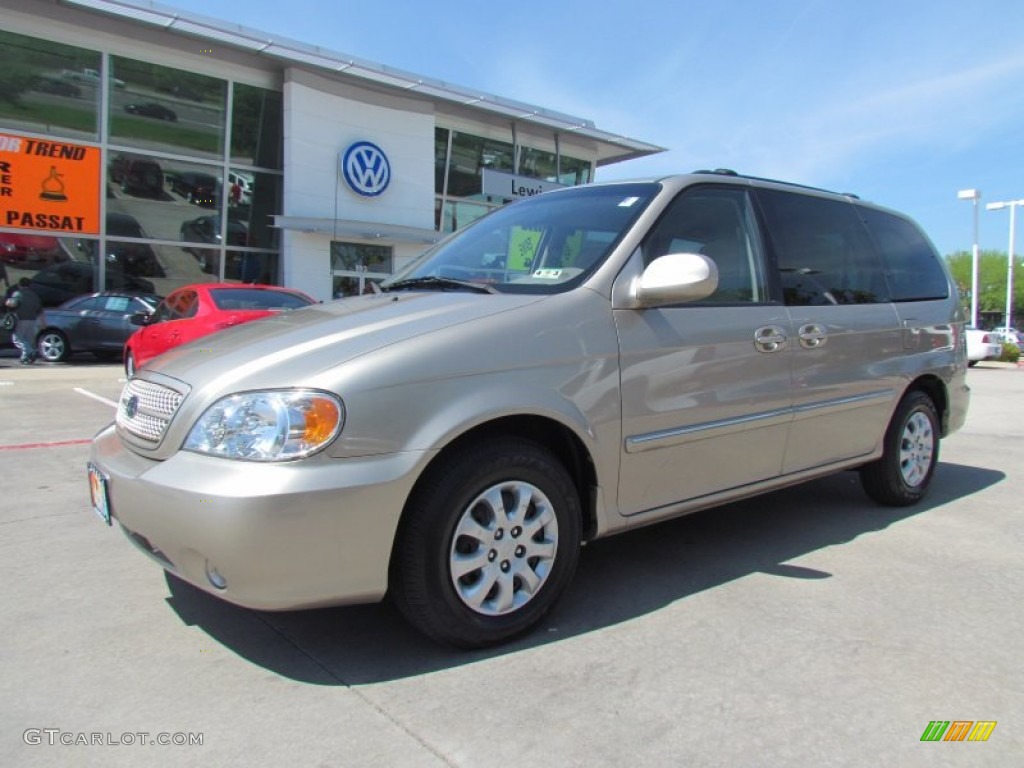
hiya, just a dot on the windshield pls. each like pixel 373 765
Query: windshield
pixel 543 244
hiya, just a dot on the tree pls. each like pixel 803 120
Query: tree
pixel 991 280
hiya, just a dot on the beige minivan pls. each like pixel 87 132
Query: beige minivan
pixel 568 367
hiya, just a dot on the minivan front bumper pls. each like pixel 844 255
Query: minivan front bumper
pixel 281 536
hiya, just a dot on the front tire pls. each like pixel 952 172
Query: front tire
pixel 52 346
pixel 911 451
pixel 488 543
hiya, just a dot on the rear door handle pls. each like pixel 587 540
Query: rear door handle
pixel 812 336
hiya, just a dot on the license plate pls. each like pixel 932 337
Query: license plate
pixel 98 493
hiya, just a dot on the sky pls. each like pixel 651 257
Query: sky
pixel 901 102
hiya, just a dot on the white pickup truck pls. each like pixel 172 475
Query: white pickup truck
pixel 982 345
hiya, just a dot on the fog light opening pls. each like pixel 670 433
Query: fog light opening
pixel 214 577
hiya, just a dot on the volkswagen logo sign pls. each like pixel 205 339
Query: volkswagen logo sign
pixel 366 169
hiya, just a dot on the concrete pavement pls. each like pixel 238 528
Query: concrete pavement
pixel 805 628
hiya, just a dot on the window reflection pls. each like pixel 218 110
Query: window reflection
pixel 459 213
pixel 573 171
pixel 253 198
pixel 470 155
pixel 257 117
pixel 174 214
pixel 252 267
pixel 356 266
pixel 48 88
pixel 167 109
pixel 75 271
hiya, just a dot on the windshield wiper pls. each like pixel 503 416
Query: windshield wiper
pixel 434 282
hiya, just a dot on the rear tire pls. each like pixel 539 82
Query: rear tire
pixel 488 543
pixel 911 451
pixel 52 346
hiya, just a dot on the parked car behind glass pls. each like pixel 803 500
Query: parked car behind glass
pixel 131 258
pixel 30 250
pixel 57 87
pixel 138 176
pixel 152 109
pixel 59 282
pixel 202 189
pixel 206 229
pixel 99 323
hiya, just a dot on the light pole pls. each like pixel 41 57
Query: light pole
pixel 1012 205
pixel 974 195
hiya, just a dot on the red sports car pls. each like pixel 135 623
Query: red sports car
pixel 194 311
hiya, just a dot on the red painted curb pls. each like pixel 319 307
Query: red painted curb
pixel 58 444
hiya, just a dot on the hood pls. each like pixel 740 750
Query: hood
pixel 290 347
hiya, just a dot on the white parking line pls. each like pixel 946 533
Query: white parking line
pixel 104 400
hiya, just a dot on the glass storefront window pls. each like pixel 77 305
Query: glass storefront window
pixel 459 213
pixel 253 198
pixel 574 171
pixel 49 88
pixel 355 266
pixel 538 164
pixel 257 118
pixel 470 155
pixel 252 267
pixel 170 110
pixel 440 158
pixel 155 198
pixel 175 213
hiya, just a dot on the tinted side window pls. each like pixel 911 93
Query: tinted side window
pixel 717 222
pixel 912 266
pixel 92 303
pixel 823 251
pixel 246 298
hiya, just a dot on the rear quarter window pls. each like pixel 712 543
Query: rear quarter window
pixel 912 267
pixel 251 298
pixel 823 252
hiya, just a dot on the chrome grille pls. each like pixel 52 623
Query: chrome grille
pixel 145 409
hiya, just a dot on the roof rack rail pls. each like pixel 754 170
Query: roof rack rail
pixel 730 172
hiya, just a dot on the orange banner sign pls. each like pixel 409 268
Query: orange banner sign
pixel 51 185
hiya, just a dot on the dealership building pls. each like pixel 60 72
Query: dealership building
pixel 187 149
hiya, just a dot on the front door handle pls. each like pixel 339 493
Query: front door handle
pixel 812 336
pixel 770 338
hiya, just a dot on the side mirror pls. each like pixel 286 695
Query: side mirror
pixel 676 278
pixel 139 318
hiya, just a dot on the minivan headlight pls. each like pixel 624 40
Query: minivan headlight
pixel 268 426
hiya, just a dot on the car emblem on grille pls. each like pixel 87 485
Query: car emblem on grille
pixel 131 406
pixel 366 169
